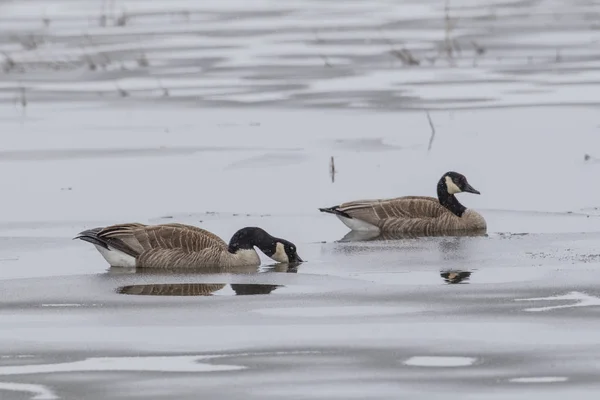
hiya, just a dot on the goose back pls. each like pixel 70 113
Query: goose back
pixel 414 214
pixel 173 246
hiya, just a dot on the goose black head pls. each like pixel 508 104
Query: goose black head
pixel 280 250
pixel 453 182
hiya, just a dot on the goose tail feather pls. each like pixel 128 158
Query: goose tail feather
pixel 335 210
pixel 91 236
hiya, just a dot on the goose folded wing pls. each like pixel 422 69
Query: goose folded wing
pixel 136 239
pixel 408 207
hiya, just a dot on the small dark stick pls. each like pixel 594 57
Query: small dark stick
pixel 432 131
pixel 448 26
pixel 332 169
pixel 23 98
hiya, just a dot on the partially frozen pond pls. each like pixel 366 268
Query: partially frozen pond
pixel 229 114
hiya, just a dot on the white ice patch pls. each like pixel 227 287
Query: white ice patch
pixel 358 225
pixel 452 188
pixel 540 379
pixel 158 364
pixel 69 305
pixel 581 300
pixel 434 361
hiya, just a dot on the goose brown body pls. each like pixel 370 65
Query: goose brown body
pixel 183 246
pixel 416 215
pixel 412 214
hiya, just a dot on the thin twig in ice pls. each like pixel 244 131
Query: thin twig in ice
pixel 432 131
pixel 332 169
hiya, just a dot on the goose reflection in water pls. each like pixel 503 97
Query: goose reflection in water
pixel 195 289
pixel 365 236
pixel 202 289
pixel 455 276
pixel 451 247
pixel 244 270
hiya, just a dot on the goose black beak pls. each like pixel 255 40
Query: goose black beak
pixel 470 189
pixel 296 259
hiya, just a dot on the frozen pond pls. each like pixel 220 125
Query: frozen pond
pixel 227 114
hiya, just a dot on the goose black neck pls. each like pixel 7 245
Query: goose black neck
pixel 449 200
pixel 247 238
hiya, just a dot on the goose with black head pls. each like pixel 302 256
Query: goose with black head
pixel 185 246
pixel 420 215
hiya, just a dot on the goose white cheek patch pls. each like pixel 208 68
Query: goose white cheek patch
pixel 452 188
pixel 280 254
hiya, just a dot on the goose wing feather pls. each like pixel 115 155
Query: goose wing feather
pixel 374 211
pixel 415 214
pixel 159 245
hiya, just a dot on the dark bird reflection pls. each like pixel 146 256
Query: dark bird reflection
pixel 363 236
pixel 195 289
pixel 245 270
pixel 245 289
pixel 289 268
pixel 172 289
pixel 455 276
pixel 201 289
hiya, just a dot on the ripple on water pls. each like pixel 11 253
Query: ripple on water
pixel 435 361
pixel 344 311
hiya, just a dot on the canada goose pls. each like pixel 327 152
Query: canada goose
pixel 414 214
pixel 184 246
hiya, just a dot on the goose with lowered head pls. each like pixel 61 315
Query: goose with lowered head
pixel 185 246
